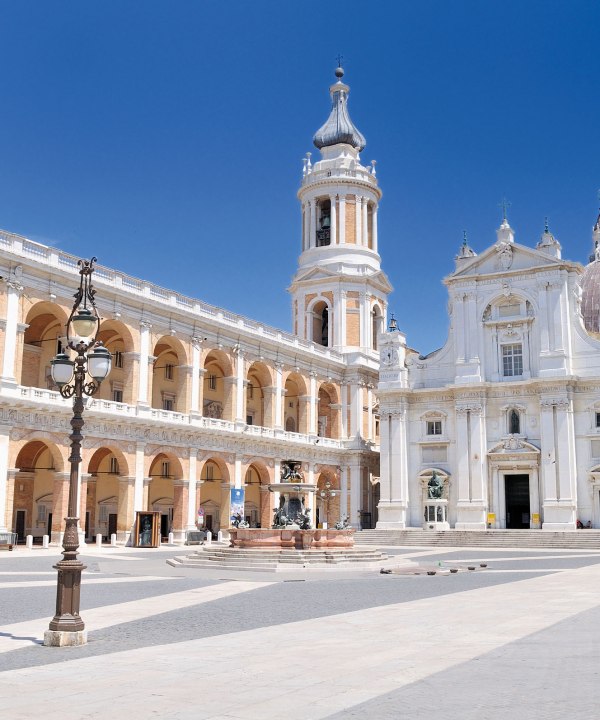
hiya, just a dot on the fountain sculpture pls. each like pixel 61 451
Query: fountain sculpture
pixel 292 527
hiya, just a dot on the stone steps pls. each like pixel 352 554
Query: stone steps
pixel 274 560
pixel 415 537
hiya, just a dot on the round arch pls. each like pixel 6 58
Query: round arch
pixel 169 381
pixel 320 321
pixel 43 339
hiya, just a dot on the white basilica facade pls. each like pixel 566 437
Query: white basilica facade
pixel 500 428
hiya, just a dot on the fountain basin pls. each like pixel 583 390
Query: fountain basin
pixel 291 538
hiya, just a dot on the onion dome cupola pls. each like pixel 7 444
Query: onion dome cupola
pixel 338 127
pixel 590 286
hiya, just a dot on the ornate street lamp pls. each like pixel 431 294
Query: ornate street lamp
pixel 76 378
pixel 326 494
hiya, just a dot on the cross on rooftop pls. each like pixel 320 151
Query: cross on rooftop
pixel 504 204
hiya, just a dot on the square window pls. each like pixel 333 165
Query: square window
pixel 249 420
pixel 434 427
pixel 117 396
pixel 169 371
pixel 512 360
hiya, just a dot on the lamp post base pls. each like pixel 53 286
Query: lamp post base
pixel 65 638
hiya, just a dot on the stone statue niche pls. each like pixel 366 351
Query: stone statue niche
pixel 435 500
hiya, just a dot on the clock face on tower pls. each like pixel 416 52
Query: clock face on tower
pixel 389 356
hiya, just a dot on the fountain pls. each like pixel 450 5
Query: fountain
pixel 292 526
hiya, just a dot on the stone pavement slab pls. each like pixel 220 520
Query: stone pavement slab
pixel 317 667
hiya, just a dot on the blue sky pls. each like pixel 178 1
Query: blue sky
pixel 167 137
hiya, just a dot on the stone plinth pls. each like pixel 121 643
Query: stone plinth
pixel 291 538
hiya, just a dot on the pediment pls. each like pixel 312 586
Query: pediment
pixel 315 273
pixel 513 445
pixel 507 257
pixel 319 274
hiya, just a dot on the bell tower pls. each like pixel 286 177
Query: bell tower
pixel 339 292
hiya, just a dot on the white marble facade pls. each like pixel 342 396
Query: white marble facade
pixel 508 410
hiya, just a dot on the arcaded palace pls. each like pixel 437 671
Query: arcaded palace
pixel 499 428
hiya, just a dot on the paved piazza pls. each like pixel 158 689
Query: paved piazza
pixel 517 639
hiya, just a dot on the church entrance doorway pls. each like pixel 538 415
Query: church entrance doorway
pixel 517 501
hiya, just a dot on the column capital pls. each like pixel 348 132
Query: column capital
pixel 145 325
pixel 14 285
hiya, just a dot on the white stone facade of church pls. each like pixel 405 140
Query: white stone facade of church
pixel 500 428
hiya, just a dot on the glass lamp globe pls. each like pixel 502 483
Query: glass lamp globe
pixel 61 369
pixel 99 363
pixel 84 323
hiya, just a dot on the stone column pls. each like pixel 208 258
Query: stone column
pixel 375 239
pixel 14 290
pixel 305 226
pixel 180 510
pixel 342 317
pixel 355 495
pixel 342 223
pixel 239 388
pixel 5 511
pixel 192 484
pixel 138 491
pixel 278 420
pixel 125 515
pixel 333 220
pixel 224 519
pixel 131 381
pixel 314 399
pixel 358 219
pixel 344 423
pixel 393 502
pixel 304 410
pixel 229 409
pixel 313 223
pixel 82 483
pixel 356 405
pixel 369 411
pixel 237 472
pixel 196 385
pixel 471 504
pixel 534 494
pixel 201 376
pixel 311 496
pixel 143 371
pixel 344 490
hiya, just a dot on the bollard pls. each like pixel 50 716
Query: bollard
pixel 171 538
pixel 220 536
pixel 208 540
pixel 29 542
pixel 99 540
pixel 45 541
pixel 113 540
